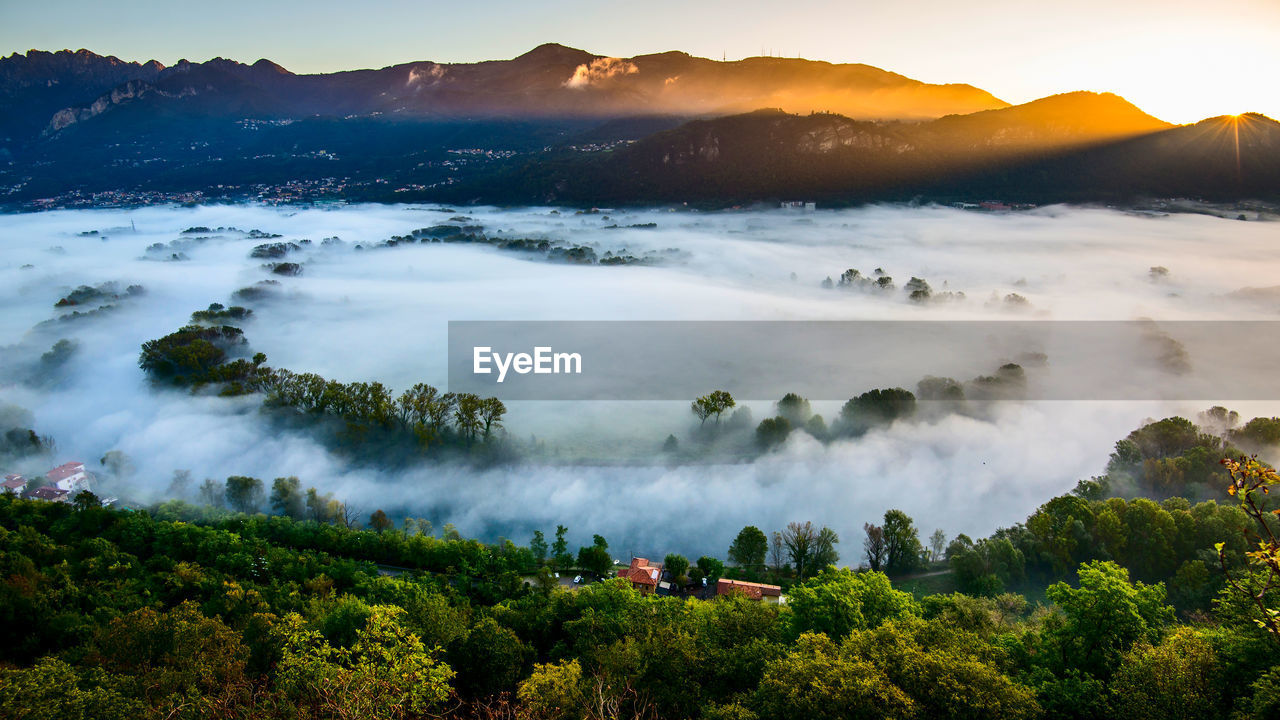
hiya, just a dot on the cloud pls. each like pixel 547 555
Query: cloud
pixel 419 75
pixel 382 314
pixel 599 70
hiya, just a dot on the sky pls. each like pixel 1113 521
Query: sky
pixel 1180 60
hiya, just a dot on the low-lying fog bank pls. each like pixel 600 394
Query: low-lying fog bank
pixel 379 312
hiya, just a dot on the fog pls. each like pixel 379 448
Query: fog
pixel 381 313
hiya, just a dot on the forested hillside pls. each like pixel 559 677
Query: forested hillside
pixel 183 612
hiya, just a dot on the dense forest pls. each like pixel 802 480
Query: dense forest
pixel 1144 610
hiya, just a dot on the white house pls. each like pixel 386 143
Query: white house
pixel 71 477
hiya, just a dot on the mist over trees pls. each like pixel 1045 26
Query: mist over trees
pixel 265 616
pixel 421 416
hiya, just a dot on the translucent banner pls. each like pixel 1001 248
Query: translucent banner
pixel 985 360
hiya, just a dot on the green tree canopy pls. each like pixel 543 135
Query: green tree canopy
pixel 749 547
pixel 244 494
pixel 1104 616
pixel 902 549
pixel 840 601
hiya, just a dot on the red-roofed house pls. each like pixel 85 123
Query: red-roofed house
pixel 69 476
pixel 756 591
pixel 643 576
pixel 13 484
pixel 52 494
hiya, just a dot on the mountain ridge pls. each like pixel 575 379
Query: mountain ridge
pixel 771 155
pixel 548 80
pixel 561 125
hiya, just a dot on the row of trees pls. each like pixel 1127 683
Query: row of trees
pixel 197 355
pixel 430 415
pixel 800 549
pixel 806 550
pixel 244 494
pixel 1171 542
pixel 874 408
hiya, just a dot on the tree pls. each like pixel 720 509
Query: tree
pixel 212 493
pixel 1181 678
pixel 379 522
pixel 840 601
pixel 940 389
pixel 1251 482
pixel 322 508
pixel 413 407
pixel 117 464
pixel 873 546
pixel 1265 703
pixel 489 659
pixel 554 692
pixel 286 497
pixel 538 546
pixel 347 516
pixel 749 548
pixel 438 410
pixel 85 500
pixel 712 569
pixel 817 427
pixel 418 526
pixel 824 550
pixel 677 566
pixel 902 547
pixel 937 545
pixel 53 689
pixel 244 494
pixel 876 408
pixel 1259 433
pixel 985 567
pixel 810 549
pixel 1104 617
pixel 596 559
pixel 466 414
pixel 794 409
pixel 775 550
pixel 946 673
pixel 180 485
pixel 772 432
pixel 491 412
pixel 179 654
pixel 799 539
pixel 560 549
pixel 714 403
pixel 386 673
pixel 191 354
pixel 816 680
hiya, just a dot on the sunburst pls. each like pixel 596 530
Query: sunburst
pixel 1238 120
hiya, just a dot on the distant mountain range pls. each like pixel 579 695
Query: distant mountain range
pixel 1026 153
pixel 563 125
pixel 52 91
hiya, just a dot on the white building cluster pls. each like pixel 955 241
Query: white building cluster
pixel 60 484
